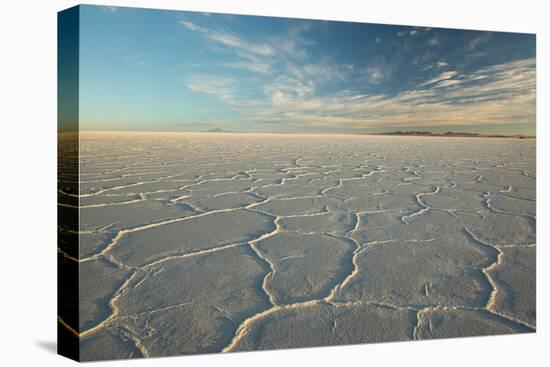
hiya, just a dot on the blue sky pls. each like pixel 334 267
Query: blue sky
pixel 143 69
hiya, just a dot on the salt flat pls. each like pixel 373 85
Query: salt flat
pixel 197 243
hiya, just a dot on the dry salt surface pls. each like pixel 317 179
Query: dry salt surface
pixel 199 243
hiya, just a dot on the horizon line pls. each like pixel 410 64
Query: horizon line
pixel 413 133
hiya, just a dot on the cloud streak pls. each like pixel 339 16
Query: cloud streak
pixel 441 77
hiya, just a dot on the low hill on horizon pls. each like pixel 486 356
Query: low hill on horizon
pixel 453 134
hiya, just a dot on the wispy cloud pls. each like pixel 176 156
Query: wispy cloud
pixel 438 64
pixel 433 41
pixel 191 26
pixel 418 31
pixel 219 87
pixel 320 72
pixel 479 40
pixel 443 76
pixel 376 74
pixel 254 66
pixel 231 40
pixel 234 41
pixel 284 90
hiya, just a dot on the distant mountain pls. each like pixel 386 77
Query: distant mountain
pixel 452 134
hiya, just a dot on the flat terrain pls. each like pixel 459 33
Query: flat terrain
pixel 209 242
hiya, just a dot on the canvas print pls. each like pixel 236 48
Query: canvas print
pixel 239 183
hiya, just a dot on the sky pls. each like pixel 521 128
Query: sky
pixel 158 70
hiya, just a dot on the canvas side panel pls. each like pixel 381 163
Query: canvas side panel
pixel 68 183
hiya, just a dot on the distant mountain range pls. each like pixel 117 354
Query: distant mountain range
pixel 419 133
pixel 453 134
